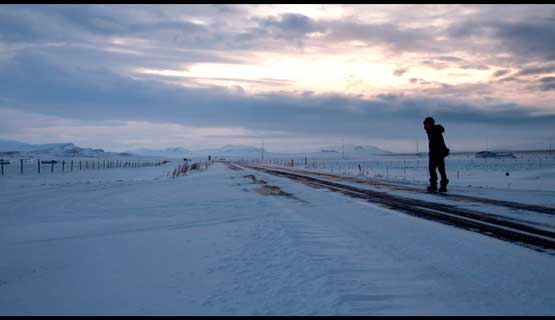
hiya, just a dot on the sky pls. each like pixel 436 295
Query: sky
pixel 295 77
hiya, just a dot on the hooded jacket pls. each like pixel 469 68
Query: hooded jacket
pixel 436 143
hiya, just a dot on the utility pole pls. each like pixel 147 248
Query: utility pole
pixel 417 153
pixel 343 149
pixel 262 152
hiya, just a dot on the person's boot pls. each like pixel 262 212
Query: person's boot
pixel 443 185
pixel 433 185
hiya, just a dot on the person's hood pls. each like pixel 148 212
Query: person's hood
pixel 438 128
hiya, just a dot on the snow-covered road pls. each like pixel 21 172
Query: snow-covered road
pixel 214 243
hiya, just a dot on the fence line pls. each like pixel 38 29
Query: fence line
pixel 106 164
pixel 186 168
pixel 413 168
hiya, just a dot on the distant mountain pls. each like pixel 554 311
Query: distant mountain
pixel 61 150
pixel 230 151
pixel 366 150
pixel 233 150
pixel 349 151
pixel 14 146
pixel 177 152
pixel 250 152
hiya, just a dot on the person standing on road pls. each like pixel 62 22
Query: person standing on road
pixel 438 152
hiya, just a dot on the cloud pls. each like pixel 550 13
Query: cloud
pixel 103 96
pixel 380 34
pixel 500 73
pixel 547 83
pixel 450 59
pixel 444 62
pixel 529 38
pixel 289 24
pixel 78 62
pixel 525 39
pixel 535 70
pixel 116 135
pixel 399 72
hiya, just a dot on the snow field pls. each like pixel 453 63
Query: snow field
pixel 208 244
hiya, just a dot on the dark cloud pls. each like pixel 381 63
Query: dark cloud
pixel 473 66
pixel 399 72
pixel 275 32
pixel 390 35
pixel 102 95
pixel 510 79
pixel 450 59
pixel 528 38
pixel 67 65
pixel 435 64
pixel 173 26
pixel 549 68
pixel 287 25
pixel 444 62
pixel 547 83
pixel 98 24
pixel 466 29
pixel 524 39
pixel 500 73
pixel 543 84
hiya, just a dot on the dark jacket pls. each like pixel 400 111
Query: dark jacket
pixel 436 143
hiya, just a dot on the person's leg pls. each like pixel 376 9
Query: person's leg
pixel 441 167
pixel 433 175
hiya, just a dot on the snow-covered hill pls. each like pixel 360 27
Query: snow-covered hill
pixel 351 149
pixel 18 149
pixel 234 150
pixel 346 151
pixel 245 151
pixel 177 152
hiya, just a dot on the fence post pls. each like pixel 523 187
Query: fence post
pixel 71 165
pixel 63 165
pixel 38 165
pixel 79 164
pixel 21 165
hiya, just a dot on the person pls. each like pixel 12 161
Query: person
pixel 437 153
